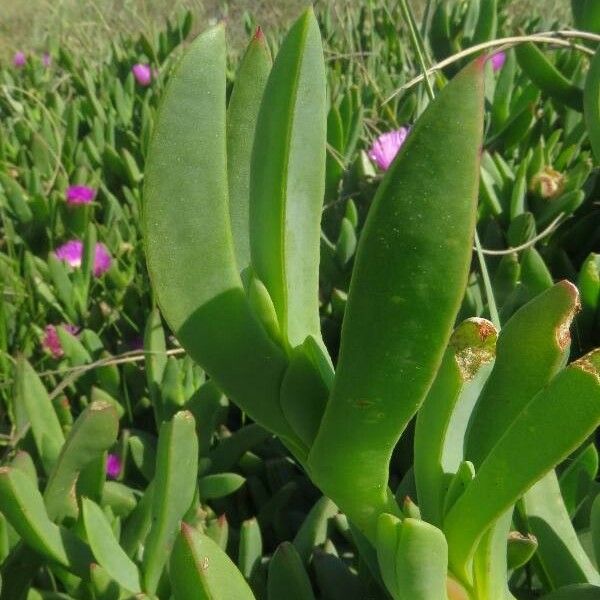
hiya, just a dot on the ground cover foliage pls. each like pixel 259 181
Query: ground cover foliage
pixel 238 441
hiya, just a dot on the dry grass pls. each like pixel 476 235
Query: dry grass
pixel 87 25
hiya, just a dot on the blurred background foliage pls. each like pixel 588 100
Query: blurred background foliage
pixel 89 25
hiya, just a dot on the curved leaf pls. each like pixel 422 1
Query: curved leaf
pixel 566 411
pixel 529 352
pixel 242 114
pixel 560 558
pixel 287 180
pixel 591 104
pixel 106 548
pixel 93 433
pixel 399 307
pixel 443 418
pixel 33 404
pixel 174 489
pixel 547 77
pixel 200 570
pixel 189 246
pixel 287 576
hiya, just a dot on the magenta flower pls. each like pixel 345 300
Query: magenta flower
pixel 498 60
pixel 19 59
pixel 51 341
pixel 142 74
pixel 72 253
pixel 113 466
pixel 46 60
pixel 386 146
pixel 80 194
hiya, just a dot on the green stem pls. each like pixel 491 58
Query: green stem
pixel 487 284
pixel 425 21
pixel 418 45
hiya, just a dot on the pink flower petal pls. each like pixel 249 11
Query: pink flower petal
pixel 386 146
pixel 80 194
pixel 498 60
pixel 142 74
pixel 102 260
pixel 113 466
pixel 72 252
pixel 46 59
pixel 51 341
pixel 19 59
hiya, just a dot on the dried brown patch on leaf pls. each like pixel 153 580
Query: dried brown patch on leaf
pixel 590 363
pixel 474 344
pixel 563 331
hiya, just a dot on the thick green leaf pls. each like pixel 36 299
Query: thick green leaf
pixel 305 388
pixel 242 114
pixel 200 570
pixel 420 225
pixel 490 563
pixel 31 398
pixel 520 549
pixel 24 463
pixel 421 561
pixel 138 524
pixel 207 405
pixel 287 576
pixel 577 477
pixel 443 418
pixel 560 557
pixel 591 104
pixel 587 15
pixel 487 24
pixel 104 587
pixel 287 181
pixel 566 412
pixel 93 433
pixel 142 449
pixel 314 529
pixel 119 497
pixel 218 531
pixel 547 77
pixel 189 245
pixel 23 506
pixel 174 489
pixel 228 452
pixel 575 592
pixel 595 527
pixel 588 282
pixel 219 485
pixel 413 558
pixel 529 352
pixel 156 359
pixel 106 548
pixel 387 547
pixel 251 547
pixel 335 579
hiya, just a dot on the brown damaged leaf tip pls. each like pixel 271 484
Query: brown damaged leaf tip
pixel 590 363
pixel 563 333
pixel 518 536
pixel 100 405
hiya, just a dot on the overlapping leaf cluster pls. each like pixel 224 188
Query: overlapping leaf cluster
pixel 418 423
